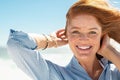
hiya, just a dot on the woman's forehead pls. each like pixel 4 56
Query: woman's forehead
pixel 84 21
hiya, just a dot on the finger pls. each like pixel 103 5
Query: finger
pixel 105 41
pixel 61 30
pixel 61 33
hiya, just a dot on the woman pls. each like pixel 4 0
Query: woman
pixel 90 25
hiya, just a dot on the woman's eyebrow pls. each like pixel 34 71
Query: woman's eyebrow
pixel 75 28
pixel 80 28
pixel 93 29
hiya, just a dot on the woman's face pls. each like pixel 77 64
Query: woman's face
pixel 84 35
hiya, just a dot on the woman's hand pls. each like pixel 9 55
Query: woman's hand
pixel 109 52
pixel 55 39
pixel 59 37
pixel 105 46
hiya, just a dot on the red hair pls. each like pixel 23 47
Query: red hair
pixel 107 16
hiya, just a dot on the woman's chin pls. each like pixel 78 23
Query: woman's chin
pixel 85 53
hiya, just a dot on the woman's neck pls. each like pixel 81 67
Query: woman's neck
pixel 92 67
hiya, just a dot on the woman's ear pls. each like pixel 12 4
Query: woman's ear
pixel 61 34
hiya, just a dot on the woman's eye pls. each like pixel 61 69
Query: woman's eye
pixel 92 32
pixel 75 32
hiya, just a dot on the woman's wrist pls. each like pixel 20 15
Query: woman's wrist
pixel 114 57
pixel 51 41
pixel 110 52
pixel 47 42
pixel 44 41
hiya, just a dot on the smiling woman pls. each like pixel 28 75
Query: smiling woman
pixel 81 37
pixel 90 25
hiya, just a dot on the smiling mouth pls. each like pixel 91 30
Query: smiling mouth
pixel 84 48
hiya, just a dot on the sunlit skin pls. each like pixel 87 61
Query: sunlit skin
pixel 86 39
pixel 84 35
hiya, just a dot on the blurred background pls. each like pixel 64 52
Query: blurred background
pixel 34 16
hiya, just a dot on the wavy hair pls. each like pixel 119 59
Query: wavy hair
pixel 107 16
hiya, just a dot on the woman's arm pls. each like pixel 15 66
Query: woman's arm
pixel 109 52
pixel 21 48
pixel 56 39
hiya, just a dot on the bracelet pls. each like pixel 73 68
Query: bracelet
pixel 53 39
pixel 46 42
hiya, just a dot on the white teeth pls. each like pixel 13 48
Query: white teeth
pixel 84 47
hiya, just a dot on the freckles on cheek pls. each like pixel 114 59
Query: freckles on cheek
pixel 71 39
pixel 96 42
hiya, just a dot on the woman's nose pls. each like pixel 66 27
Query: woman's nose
pixel 83 37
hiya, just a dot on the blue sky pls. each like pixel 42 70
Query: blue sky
pixel 37 16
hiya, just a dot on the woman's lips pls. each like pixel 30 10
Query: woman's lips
pixel 84 49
